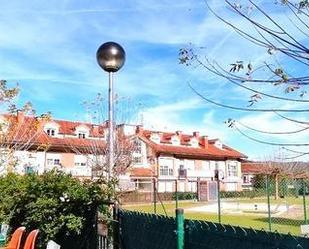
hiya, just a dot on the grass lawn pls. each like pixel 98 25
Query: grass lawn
pixel 256 221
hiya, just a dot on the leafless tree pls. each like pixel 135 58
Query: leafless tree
pixel 284 41
pixel 96 150
pixel 281 169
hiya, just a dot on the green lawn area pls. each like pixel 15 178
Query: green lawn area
pixel 256 221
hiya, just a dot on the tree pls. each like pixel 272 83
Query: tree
pixel 278 170
pixel 285 43
pixel 7 94
pixel 96 150
pixel 61 207
pixel 17 131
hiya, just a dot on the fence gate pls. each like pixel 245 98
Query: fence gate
pixel 108 228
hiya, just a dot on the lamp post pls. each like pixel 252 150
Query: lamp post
pixel 110 57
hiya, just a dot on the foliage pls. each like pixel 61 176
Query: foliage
pixel 63 208
pixel 243 194
pixel 259 181
pixel 185 196
pixel 7 93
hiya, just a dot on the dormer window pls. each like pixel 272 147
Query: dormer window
pixel 194 142
pixel 218 144
pixel 82 131
pixel 175 140
pixel 155 138
pixel 51 132
pixel 51 129
pixel 81 135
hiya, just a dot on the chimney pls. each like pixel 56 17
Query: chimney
pixel 95 130
pixel 204 141
pixel 196 134
pixel 179 133
pixel 139 129
pixel 20 116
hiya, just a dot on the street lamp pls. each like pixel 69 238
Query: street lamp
pixel 110 57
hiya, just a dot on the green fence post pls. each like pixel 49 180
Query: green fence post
pixel 154 196
pixel 304 200
pixel 180 228
pixel 176 192
pixel 268 202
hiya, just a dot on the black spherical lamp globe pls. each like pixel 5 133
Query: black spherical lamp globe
pixel 111 57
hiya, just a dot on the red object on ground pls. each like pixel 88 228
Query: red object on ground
pixel 16 238
pixel 31 239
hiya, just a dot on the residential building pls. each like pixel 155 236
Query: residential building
pixel 36 144
pixel 168 159
pixel 249 170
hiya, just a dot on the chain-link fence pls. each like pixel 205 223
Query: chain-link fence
pixel 272 203
pixel 269 202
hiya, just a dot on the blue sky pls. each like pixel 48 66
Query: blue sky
pixel 49 48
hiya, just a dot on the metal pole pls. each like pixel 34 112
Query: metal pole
pixel 304 201
pixel 154 196
pixel 180 228
pixel 110 125
pixel 268 202
pixel 176 192
pixel 219 200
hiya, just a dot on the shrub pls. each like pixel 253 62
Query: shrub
pixel 185 195
pixel 243 194
pixel 63 208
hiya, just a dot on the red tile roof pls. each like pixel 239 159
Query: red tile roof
pixel 209 150
pixel 69 128
pixel 27 133
pixel 142 172
pixel 252 167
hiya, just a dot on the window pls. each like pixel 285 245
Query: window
pixel 29 170
pixel 81 135
pixel 163 170
pixel 80 160
pixel 182 172
pixel 232 170
pixel 170 172
pixel 137 146
pixel 155 138
pixel 80 164
pixel 53 161
pixel 175 140
pixel 166 171
pixel 194 142
pixel 137 159
pixel 51 132
pixel 246 179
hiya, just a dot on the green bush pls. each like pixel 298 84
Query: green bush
pixel 62 207
pixel 185 195
pixel 243 194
